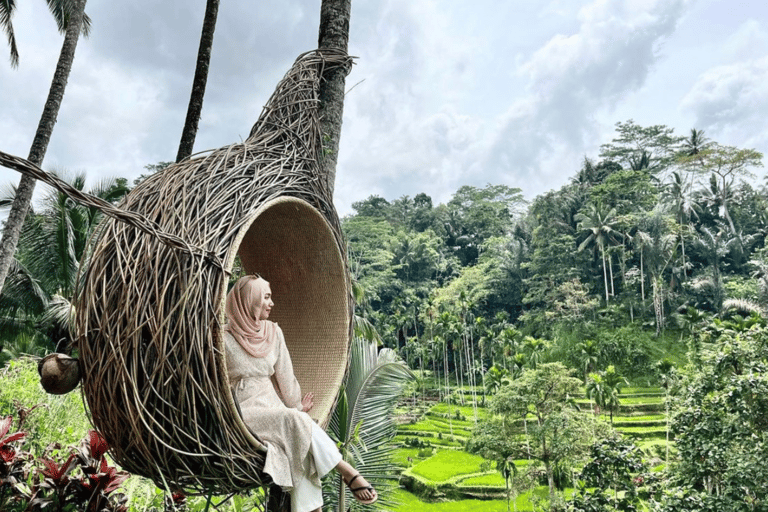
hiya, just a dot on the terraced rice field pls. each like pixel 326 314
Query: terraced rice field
pixel 443 466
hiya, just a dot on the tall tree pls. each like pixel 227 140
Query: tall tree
pixel 198 83
pixel 726 164
pixel 75 11
pixel 599 225
pixel 334 34
pixel 557 432
pixel 637 147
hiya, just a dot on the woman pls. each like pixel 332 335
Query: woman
pixel 299 452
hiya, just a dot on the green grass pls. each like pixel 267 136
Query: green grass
pixel 409 503
pixel 430 425
pixel 446 441
pixel 57 419
pixel 466 410
pixel 446 464
pixel 400 456
pixel 488 480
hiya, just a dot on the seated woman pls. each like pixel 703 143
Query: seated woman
pixel 299 452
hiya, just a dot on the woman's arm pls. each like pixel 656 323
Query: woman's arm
pixel 289 388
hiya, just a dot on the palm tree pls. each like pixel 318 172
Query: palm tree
pixel 599 225
pixel 695 143
pixel 726 165
pixel 669 378
pixel 506 466
pixel 195 107
pixel 714 246
pixel 658 249
pixel 74 11
pixel 641 240
pixel 678 195
pixel 60 10
pixel 494 379
pixel 334 33
pixel 362 422
pixel 589 351
pixel 613 382
pixel 52 247
pixel 595 390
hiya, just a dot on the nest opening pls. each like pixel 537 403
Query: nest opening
pixel 290 244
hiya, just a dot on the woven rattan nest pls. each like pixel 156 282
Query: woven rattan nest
pixel 149 315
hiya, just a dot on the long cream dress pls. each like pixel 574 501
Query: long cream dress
pixel 299 453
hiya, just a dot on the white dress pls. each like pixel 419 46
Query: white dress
pixel 299 452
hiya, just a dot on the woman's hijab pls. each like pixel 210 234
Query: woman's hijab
pixel 244 304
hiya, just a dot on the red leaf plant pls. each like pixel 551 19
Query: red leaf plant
pixel 90 489
pixel 13 463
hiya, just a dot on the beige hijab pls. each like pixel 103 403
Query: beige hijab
pixel 244 304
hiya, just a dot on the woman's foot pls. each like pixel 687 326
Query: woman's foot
pixel 362 490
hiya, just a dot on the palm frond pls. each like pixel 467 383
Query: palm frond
pixel 6 13
pixel 362 420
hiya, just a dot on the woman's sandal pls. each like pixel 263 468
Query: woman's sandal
pixel 362 488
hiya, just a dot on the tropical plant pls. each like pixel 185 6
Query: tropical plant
pixel 557 433
pixel 494 378
pixel 74 14
pixel 195 107
pixel 333 34
pixel 60 10
pixel 726 165
pixel 598 222
pixel 53 245
pixel 362 421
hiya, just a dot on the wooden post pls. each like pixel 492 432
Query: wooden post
pixel 278 500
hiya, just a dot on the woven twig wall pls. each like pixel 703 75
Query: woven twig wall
pixel 149 316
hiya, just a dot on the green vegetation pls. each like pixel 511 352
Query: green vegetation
pixel 447 464
pixel 631 301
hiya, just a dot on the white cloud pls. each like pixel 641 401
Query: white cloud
pixel 730 102
pixel 570 79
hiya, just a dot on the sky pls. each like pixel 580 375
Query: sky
pixel 444 93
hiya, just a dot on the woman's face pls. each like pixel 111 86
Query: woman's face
pixel 266 304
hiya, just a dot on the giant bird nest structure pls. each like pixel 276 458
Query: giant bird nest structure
pixel 149 316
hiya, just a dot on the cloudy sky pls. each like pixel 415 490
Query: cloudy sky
pixel 444 93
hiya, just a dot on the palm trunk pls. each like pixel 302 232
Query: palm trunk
pixel 642 278
pixel 26 185
pixel 198 83
pixel 334 33
pixel 726 213
pixel 682 247
pixel 605 276
pixel 610 266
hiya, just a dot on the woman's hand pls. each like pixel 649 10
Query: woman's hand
pixel 308 402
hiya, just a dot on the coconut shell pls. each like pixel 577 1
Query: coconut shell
pixel 59 373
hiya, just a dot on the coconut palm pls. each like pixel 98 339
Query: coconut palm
pixel 598 223
pixel 74 15
pixel 613 383
pixel 60 10
pixel 589 351
pixel 195 107
pixel 678 195
pixel 334 33
pixel 362 422
pixel 494 379
pixel 52 246
pixel 695 143
pixel 506 466
pixel 714 246
pixel 595 390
